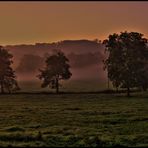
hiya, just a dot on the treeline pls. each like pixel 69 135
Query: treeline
pixel 126 64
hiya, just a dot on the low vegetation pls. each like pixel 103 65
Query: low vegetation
pixel 73 120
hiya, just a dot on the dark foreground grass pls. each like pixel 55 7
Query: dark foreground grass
pixel 77 120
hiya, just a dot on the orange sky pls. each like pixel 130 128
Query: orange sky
pixel 31 22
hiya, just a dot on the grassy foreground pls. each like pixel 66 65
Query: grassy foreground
pixel 73 120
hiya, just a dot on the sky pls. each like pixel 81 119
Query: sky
pixel 38 22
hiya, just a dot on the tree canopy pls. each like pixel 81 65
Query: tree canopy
pixel 7 75
pixel 57 68
pixel 127 62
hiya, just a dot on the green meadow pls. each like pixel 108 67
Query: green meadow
pixel 74 120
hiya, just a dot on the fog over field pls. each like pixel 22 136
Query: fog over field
pixel 85 58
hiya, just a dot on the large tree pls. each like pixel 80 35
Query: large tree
pixel 127 60
pixel 57 68
pixel 7 75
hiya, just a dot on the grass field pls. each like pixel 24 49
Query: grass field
pixel 73 120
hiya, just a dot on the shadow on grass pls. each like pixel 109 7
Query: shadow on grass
pixel 120 93
pixel 110 91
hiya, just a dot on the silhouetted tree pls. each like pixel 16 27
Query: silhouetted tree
pixel 127 60
pixel 57 68
pixel 7 77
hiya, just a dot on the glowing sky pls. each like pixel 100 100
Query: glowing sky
pixel 31 22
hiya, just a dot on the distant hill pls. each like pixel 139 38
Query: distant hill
pixel 77 46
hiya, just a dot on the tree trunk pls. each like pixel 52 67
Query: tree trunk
pixel 9 90
pixel 116 89
pixel 2 88
pixel 128 92
pixel 108 83
pixel 57 86
pixel 144 88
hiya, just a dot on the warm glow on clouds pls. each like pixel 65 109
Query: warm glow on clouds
pixel 30 22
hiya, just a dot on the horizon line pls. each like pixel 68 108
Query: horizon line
pixel 51 42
